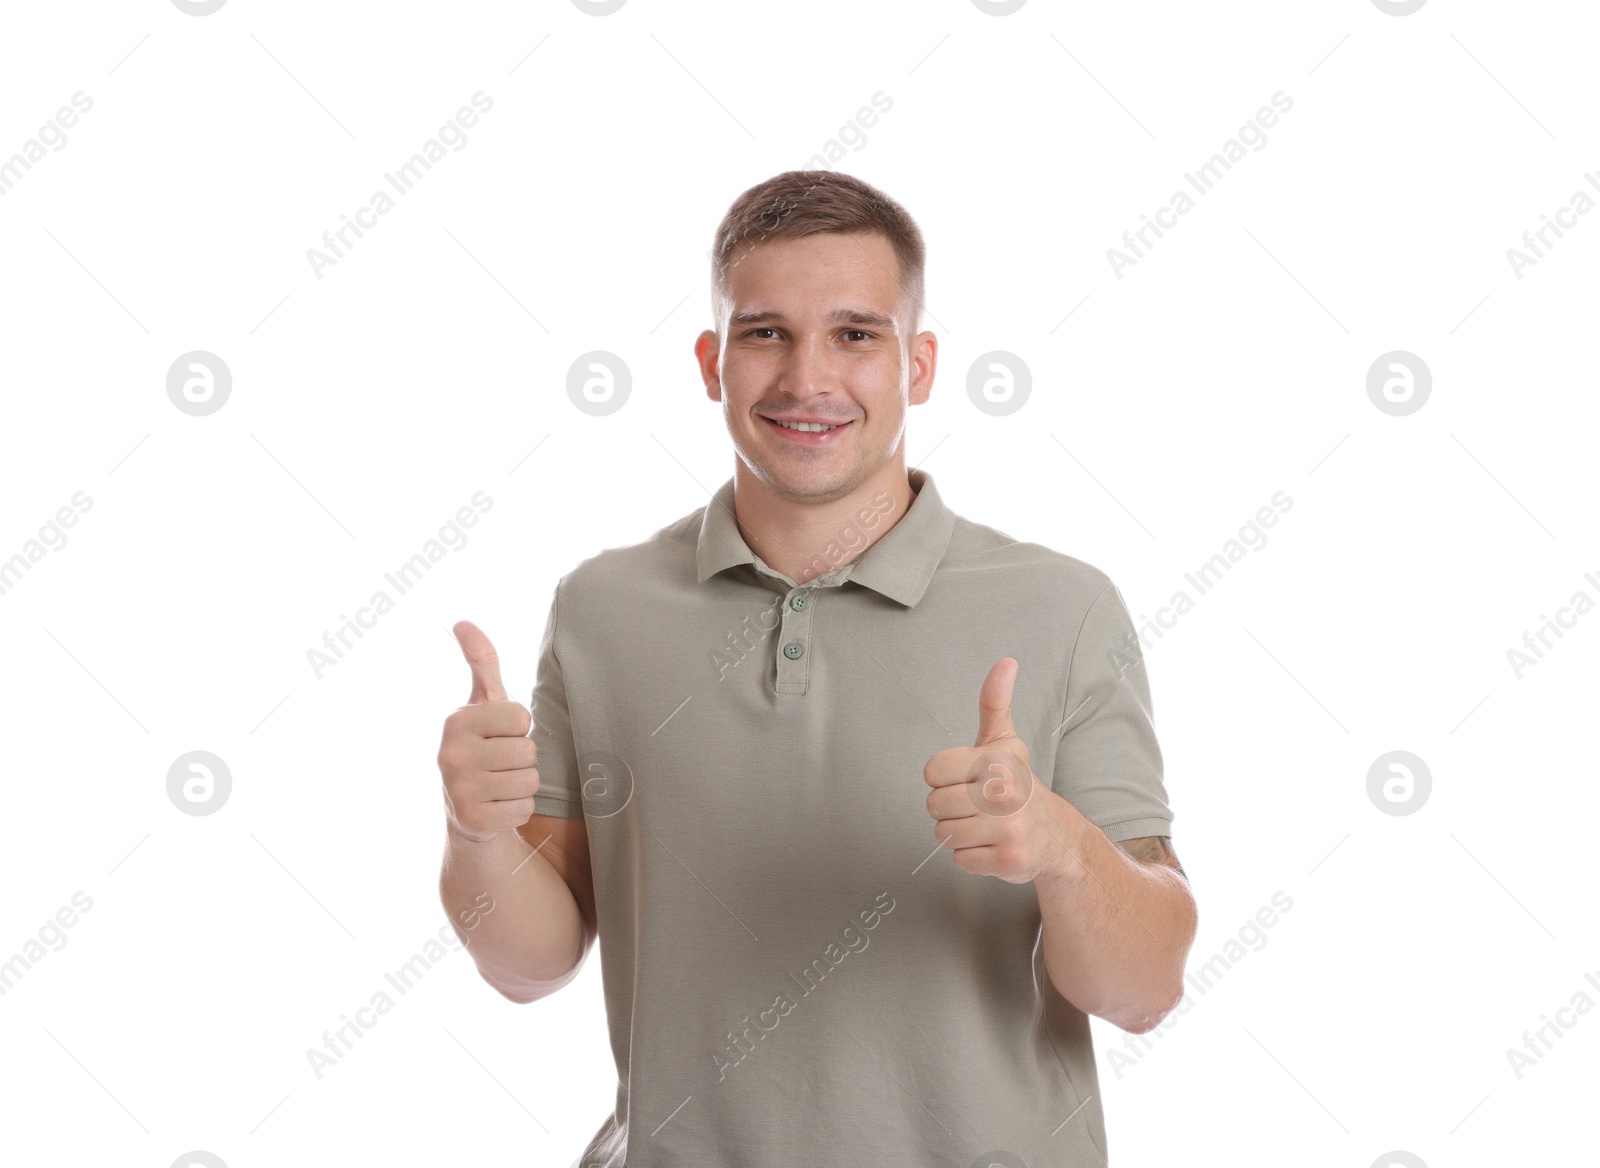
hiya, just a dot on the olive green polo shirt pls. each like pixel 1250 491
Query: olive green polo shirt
pixel 795 970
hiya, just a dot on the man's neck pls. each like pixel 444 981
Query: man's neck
pixel 804 540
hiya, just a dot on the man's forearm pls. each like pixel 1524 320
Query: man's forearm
pixel 1116 932
pixel 531 941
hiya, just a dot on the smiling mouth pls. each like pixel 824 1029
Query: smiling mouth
pixel 810 434
pixel 808 427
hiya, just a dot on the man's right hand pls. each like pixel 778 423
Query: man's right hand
pixel 486 757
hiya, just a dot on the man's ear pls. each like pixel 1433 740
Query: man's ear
pixel 706 347
pixel 925 361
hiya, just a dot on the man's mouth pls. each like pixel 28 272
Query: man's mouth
pixel 807 427
pixel 808 433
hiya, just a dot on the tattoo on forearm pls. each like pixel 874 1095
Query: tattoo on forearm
pixel 1154 849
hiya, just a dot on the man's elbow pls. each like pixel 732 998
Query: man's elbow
pixel 523 991
pixel 1141 1018
pixel 1138 1024
pixel 513 994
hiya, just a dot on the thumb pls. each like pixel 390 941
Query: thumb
pixel 485 662
pixel 994 702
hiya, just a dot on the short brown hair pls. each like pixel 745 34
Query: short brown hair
pixel 797 203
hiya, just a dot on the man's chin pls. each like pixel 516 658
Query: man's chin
pixel 814 485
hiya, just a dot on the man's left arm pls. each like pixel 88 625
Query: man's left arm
pixel 1118 920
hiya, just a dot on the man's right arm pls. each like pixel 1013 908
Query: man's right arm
pixel 523 902
pixel 523 906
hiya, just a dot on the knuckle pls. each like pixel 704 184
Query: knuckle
pixel 507 716
pixel 460 725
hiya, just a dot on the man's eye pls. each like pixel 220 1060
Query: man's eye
pixel 761 329
pixel 860 333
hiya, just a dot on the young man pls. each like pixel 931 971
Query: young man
pixel 862 797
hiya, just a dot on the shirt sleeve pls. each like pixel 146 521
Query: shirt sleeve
pixel 1108 763
pixel 559 792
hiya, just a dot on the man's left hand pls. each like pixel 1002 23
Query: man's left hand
pixel 987 804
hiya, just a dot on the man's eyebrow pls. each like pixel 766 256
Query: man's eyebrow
pixel 855 316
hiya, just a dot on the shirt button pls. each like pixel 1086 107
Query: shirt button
pixel 798 602
pixel 793 649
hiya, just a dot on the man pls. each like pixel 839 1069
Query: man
pixel 787 752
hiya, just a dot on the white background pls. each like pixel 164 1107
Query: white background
pixel 370 403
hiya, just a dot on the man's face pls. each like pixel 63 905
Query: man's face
pixel 815 329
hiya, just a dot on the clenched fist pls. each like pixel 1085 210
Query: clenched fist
pixel 988 806
pixel 486 757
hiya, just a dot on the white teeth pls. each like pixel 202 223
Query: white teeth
pixel 804 427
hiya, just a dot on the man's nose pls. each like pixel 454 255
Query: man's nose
pixel 807 369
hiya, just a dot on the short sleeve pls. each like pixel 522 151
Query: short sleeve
pixel 557 762
pixel 1108 763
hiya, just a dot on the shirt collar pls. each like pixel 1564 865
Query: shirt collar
pixel 900 565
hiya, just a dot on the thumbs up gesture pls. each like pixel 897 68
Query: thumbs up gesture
pixel 485 757
pixel 987 804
